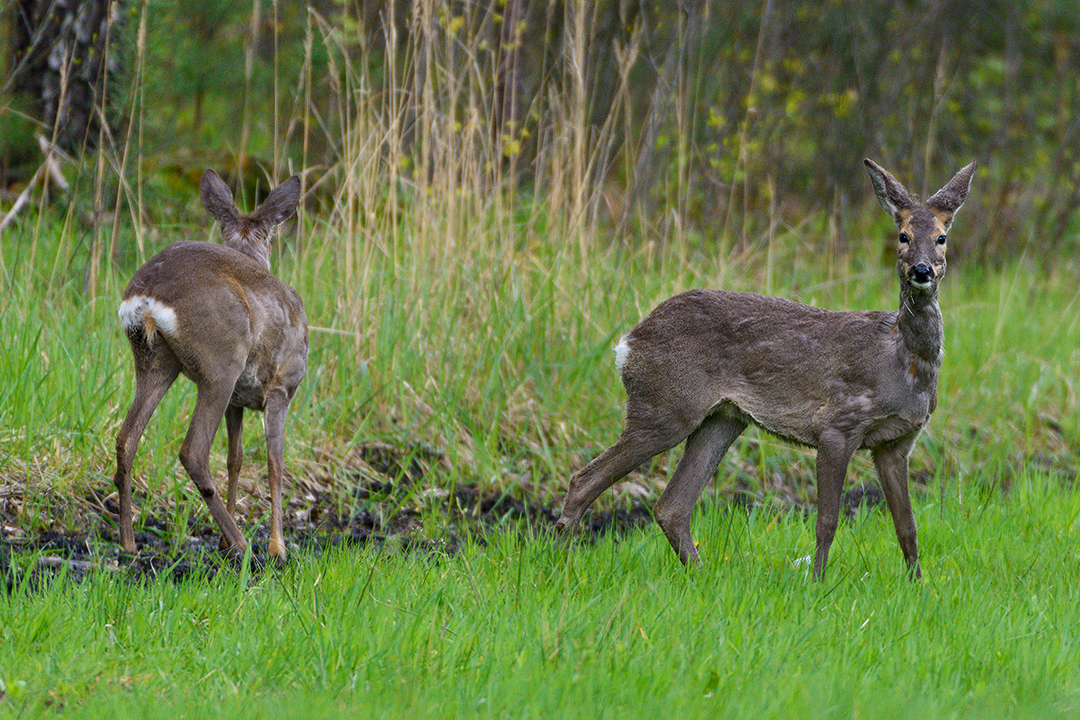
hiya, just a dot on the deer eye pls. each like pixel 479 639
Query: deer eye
pixel 941 240
pixel 904 239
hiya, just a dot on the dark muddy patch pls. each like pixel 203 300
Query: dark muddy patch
pixel 391 499
pixel 466 516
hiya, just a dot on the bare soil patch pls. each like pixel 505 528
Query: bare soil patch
pixel 392 499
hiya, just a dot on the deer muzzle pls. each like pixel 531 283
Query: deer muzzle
pixel 921 275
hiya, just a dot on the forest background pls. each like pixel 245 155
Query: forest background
pixel 677 115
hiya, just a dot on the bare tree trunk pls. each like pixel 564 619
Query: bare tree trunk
pixel 66 57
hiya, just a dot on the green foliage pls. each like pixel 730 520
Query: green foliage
pixel 715 117
pixel 16 133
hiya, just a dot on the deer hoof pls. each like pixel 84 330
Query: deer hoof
pixel 276 551
pixel 566 526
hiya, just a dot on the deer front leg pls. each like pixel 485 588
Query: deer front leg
pixel 234 426
pixel 234 462
pixel 834 454
pixel 277 405
pixel 704 449
pixel 892 468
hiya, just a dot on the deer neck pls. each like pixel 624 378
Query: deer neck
pixel 246 241
pixel 258 254
pixel 922 332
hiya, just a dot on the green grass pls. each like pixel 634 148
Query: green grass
pixel 523 628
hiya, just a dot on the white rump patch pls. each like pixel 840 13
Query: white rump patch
pixel 138 309
pixel 622 351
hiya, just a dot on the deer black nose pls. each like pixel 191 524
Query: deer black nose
pixel 921 274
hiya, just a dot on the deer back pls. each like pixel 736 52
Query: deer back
pixel 220 307
pixel 802 372
pixel 793 369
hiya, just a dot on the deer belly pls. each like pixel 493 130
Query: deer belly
pixel 890 429
pixel 248 391
pixel 902 423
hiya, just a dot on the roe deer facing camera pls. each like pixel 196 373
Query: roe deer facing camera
pixel 216 314
pixel 706 363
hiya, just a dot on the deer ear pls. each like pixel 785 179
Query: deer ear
pixel 279 205
pixel 890 193
pixel 217 198
pixel 952 196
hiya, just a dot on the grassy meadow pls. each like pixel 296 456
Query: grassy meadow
pixel 464 316
pixel 522 628
pixel 500 359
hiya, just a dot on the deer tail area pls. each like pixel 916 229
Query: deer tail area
pixel 144 317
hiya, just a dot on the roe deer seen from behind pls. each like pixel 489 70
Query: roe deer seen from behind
pixel 706 363
pixel 216 314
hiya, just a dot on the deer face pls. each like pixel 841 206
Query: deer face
pixel 921 241
pixel 922 229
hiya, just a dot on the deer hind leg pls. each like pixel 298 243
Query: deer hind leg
pixel 704 449
pixel 833 457
pixel 892 468
pixel 234 426
pixel 155 372
pixel 645 436
pixel 277 405
pixel 210 405
pixel 234 463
